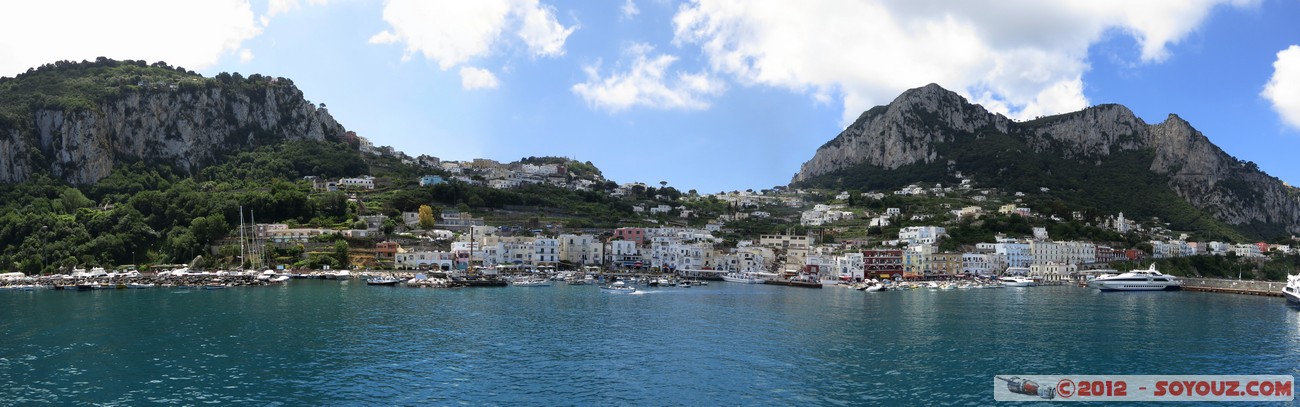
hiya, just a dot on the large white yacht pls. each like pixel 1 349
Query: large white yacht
pixel 747 277
pixel 1017 281
pixel 1292 289
pixel 1137 280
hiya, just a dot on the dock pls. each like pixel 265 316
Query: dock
pixel 794 283
pixel 1245 287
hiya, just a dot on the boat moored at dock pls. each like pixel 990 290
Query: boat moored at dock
pixel 1137 280
pixel 383 280
pixel 1292 289
pixel 1017 281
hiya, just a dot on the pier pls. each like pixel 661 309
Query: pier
pixel 1248 287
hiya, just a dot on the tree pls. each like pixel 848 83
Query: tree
pixel 427 218
pixel 341 253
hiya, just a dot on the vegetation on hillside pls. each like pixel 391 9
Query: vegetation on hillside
pixel 1119 183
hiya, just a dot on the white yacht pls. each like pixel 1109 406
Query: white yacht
pixel 1017 281
pixel 1137 280
pixel 531 282
pixel 618 287
pixel 1292 289
pixel 747 277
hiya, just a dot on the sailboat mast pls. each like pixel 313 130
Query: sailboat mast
pixel 242 253
pixel 257 251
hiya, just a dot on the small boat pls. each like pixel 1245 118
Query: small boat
pixel 684 284
pixel 279 279
pixel 587 280
pixel 619 287
pixel 140 285
pixel 385 280
pixel 531 282
pixel 1292 289
pixel 1137 280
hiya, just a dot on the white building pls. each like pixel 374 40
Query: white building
pixel 434 260
pixel 1052 272
pixel 920 234
pixel 1063 252
pixel 624 253
pixel 364 182
pixel 546 252
pixel 980 264
pixel 1012 254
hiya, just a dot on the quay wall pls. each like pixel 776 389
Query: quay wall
pixel 1233 286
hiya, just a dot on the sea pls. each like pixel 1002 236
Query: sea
pixel 317 342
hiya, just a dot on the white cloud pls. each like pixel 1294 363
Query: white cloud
pixel 647 83
pixel 245 55
pixel 276 7
pixel 477 78
pixel 193 35
pixel 453 32
pixel 628 10
pixel 1021 57
pixel 543 34
pixel 1283 89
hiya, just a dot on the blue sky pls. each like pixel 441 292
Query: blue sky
pixel 711 95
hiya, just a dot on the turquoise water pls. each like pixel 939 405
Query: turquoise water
pixel 331 343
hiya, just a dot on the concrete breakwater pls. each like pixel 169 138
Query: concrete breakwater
pixel 1270 288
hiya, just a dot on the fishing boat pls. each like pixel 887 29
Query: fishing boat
pixel 1292 289
pixel 618 287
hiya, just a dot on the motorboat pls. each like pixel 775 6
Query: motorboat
pixel 744 278
pixel 619 287
pixel 531 282
pixel 872 286
pixel 1137 280
pixel 585 280
pixel 1292 289
pixel 1017 281
pixel 279 279
pixel 383 280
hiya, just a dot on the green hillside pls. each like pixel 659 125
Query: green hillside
pixel 1121 182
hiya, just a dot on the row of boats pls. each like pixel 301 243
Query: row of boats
pixel 1137 280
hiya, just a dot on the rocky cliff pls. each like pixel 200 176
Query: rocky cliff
pixel 920 123
pixel 138 114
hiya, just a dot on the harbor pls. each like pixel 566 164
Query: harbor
pixel 350 343
pixel 419 279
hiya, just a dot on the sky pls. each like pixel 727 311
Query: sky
pixel 712 95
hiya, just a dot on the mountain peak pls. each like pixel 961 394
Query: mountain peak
pixel 927 132
pixel 928 93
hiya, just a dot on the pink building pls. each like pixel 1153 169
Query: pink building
pixel 631 234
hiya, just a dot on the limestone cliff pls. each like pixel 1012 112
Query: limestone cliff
pixel 922 123
pixel 185 120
